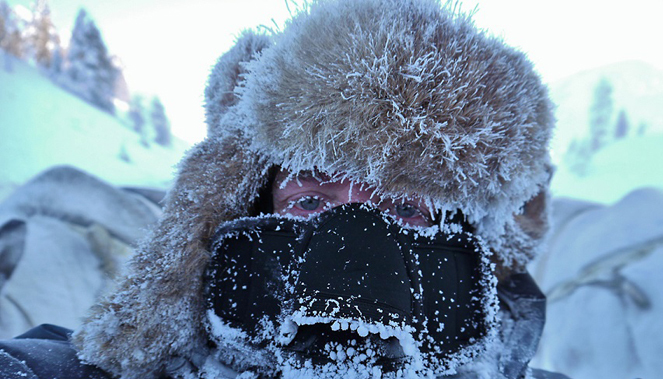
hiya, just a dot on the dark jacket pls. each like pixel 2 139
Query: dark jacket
pixel 44 352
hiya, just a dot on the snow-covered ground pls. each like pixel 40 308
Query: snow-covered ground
pixel 41 125
pixel 71 229
pixel 602 276
pixel 615 170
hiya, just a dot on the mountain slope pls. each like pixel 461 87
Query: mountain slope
pixel 42 125
pixel 614 171
pixel 622 165
pixel 637 88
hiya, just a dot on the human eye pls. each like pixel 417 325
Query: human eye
pixel 309 203
pixel 406 210
pixel 411 214
pixel 304 205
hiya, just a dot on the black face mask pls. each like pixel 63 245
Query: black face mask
pixel 353 286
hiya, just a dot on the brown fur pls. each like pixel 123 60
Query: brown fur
pixel 466 128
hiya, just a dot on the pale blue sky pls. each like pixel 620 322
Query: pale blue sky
pixel 168 46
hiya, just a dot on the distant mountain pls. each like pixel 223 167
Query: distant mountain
pixel 42 125
pixel 638 88
pixel 624 164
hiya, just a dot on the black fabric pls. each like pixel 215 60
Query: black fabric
pixel 44 352
pixel 349 263
pixel 527 306
pixel 47 332
pixel 542 374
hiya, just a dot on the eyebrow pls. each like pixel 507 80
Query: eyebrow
pixel 283 177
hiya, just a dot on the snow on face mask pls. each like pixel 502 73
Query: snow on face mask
pixel 350 290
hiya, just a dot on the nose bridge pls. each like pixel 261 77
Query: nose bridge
pixel 361 193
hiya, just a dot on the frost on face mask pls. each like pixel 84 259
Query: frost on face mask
pixel 350 293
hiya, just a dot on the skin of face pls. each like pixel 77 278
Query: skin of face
pixel 306 194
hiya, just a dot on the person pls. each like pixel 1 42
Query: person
pixel 373 184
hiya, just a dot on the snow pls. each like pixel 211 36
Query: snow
pixel 602 278
pixel 623 165
pixel 615 171
pixel 638 88
pixel 55 297
pixel 77 231
pixel 601 272
pixel 41 125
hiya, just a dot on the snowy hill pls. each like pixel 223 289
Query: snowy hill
pixel 623 165
pixel 615 171
pixel 42 125
pixel 638 88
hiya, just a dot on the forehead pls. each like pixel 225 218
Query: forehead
pixel 286 180
pixel 306 175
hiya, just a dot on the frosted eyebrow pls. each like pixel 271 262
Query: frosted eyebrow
pixel 282 179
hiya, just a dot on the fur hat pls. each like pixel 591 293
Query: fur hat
pixel 405 95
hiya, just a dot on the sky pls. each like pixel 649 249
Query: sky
pixel 169 46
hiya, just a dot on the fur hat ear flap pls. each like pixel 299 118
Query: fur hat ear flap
pixel 227 74
pixel 528 232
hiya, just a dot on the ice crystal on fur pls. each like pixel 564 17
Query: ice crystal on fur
pixel 399 94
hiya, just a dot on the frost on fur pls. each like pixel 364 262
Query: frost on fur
pixel 420 105
pixel 401 95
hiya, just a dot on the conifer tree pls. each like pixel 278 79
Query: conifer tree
pixel 57 62
pixel 90 71
pixel 11 36
pixel 578 156
pixel 42 35
pixel 600 114
pixel 124 154
pixel 137 118
pixel 622 126
pixel 3 22
pixel 160 123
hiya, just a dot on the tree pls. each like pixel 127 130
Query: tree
pixel 622 126
pixel 600 114
pixel 11 36
pixel 57 62
pixel 42 35
pixel 90 72
pixel 4 15
pixel 578 156
pixel 137 118
pixel 160 123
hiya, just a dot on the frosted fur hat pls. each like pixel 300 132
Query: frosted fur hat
pixel 405 95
